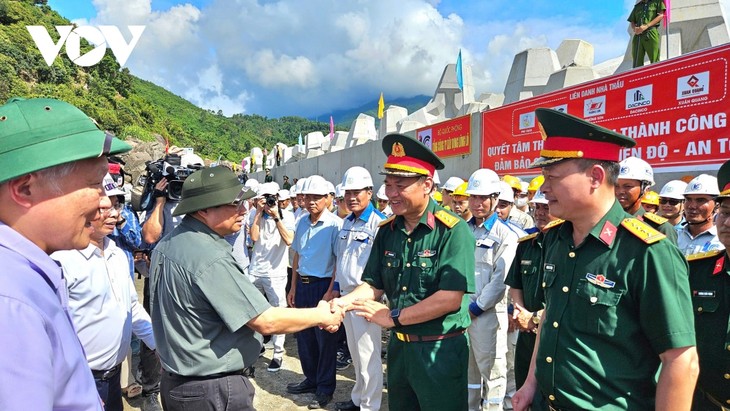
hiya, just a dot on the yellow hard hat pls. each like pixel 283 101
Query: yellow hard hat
pixel 535 183
pixel 513 182
pixel 461 190
pixel 650 197
pixel 437 196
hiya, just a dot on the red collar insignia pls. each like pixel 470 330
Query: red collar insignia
pixel 608 233
pixel 719 265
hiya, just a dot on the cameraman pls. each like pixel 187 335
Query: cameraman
pixel 272 232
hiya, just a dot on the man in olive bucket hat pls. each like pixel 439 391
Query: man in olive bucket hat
pixel 207 316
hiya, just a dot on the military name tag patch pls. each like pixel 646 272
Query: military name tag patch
pixel 426 253
pixel 704 293
pixel 525 262
pixel 549 267
pixel 600 280
pixel 389 253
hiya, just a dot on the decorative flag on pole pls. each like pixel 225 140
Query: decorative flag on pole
pixel 300 139
pixel 381 106
pixel 459 77
pixel 332 127
pixel 667 12
pixel 167 146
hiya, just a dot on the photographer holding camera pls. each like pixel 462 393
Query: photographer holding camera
pixel 272 232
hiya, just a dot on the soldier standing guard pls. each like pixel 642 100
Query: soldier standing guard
pixel 423 260
pixel 616 291
pixel 709 281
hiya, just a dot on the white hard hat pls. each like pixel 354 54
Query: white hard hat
pixel 452 183
pixel 356 178
pixel 190 160
pixel 539 198
pixel 436 179
pixel 300 185
pixel 634 168
pixel 283 195
pixel 483 182
pixel 381 193
pixel 110 187
pixel 316 185
pixel 268 189
pixel 506 193
pixel 331 188
pixel 524 185
pixel 674 189
pixel 703 184
pixel 339 192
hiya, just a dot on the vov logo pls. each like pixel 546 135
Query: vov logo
pixel 101 36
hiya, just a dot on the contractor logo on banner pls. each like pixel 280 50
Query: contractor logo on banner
pixel 639 97
pixel 425 137
pixel 693 85
pixel 527 120
pixel 70 36
pixel 594 107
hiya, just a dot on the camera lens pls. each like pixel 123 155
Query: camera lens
pixel 270 201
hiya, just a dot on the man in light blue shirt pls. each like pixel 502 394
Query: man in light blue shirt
pixel 52 161
pixel 312 280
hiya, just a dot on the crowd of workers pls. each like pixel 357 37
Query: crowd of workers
pixel 578 290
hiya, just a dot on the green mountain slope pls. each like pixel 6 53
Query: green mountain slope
pixel 344 118
pixel 122 103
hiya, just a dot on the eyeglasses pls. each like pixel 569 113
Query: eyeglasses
pixel 670 201
pixel 107 210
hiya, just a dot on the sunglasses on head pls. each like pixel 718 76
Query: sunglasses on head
pixel 671 201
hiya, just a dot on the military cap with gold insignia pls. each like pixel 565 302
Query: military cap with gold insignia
pixel 569 137
pixel 723 180
pixel 408 157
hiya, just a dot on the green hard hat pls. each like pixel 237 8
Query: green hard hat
pixel 211 187
pixel 39 133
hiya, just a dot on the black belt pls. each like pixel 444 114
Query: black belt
pixel 105 375
pixel 245 372
pixel 426 338
pixel 307 279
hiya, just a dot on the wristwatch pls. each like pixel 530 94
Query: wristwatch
pixel 276 219
pixel 535 318
pixel 394 314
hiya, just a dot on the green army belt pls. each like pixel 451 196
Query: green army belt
pixel 426 338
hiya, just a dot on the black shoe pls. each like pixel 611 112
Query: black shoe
pixel 263 350
pixel 320 401
pixel 274 365
pixel 301 388
pixel 347 406
pixel 151 403
pixel 343 362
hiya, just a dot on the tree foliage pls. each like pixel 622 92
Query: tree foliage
pixel 123 103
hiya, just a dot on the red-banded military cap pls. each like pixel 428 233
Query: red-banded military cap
pixel 408 157
pixel 723 180
pixel 569 137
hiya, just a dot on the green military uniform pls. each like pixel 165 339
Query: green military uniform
pixel 526 275
pixel 615 301
pixel 710 285
pixel 658 223
pixel 613 304
pixel 647 42
pixel 438 254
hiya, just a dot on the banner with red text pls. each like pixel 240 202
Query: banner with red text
pixel 676 110
pixel 449 138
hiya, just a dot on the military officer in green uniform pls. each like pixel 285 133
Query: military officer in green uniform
pixel 616 292
pixel 423 260
pixel 644 21
pixel 635 176
pixel 524 280
pixel 709 281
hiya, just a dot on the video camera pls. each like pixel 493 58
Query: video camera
pixel 169 168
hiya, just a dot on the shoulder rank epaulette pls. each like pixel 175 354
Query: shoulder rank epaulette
pixel 552 224
pixel 655 218
pixel 446 218
pixel 387 221
pixel 528 237
pixel 703 255
pixel 642 230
